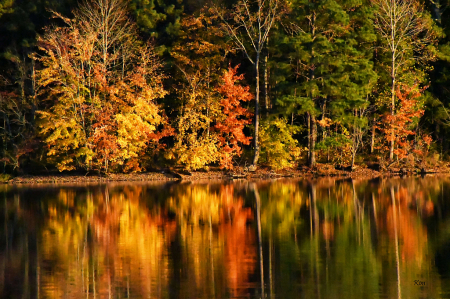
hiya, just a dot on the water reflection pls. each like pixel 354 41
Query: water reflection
pixel 328 238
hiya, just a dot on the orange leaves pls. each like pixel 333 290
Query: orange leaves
pixel 399 126
pixel 325 122
pixel 235 117
pixel 211 126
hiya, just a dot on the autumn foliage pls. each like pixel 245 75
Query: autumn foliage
pixel 399 127
pixel 100 85
pixel 89 92
pixel 235 117
pixel 211 124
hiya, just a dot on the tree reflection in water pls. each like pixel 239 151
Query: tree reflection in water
pixel 325 238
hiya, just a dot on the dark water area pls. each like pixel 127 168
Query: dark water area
pixel 327 238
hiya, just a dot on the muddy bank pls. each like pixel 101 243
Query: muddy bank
pixel 321 170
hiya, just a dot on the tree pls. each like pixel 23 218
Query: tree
pixel 230 125
pixel 100 85
pixel 407 38
pixel 158 19
pixel 194 146
pixel 403 122
pixel 199 55
pixel 248 24
pixel 20 23
pixel 278 145
pixel 217 136
pixel 330 62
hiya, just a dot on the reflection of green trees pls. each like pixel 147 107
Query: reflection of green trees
pixel 330 236
pixel 334 258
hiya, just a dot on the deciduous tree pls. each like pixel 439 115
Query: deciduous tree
pixel 407 38
pixel 230 124
pixel 248 24
pixel 100 85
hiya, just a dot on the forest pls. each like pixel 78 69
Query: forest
pixel 133 85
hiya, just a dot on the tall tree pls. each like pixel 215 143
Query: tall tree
pixel 407 38
pixel 199 55
pixel 248 24
pixel 20 23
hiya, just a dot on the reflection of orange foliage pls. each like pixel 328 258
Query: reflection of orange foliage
pixel 412 235
pixel 204 203
pixel 240 250
pixel 110 241
pixel 328 230
pixel 232 207
pixel 429 208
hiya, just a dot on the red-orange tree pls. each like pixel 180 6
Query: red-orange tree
pixel 234 117
pixel 399 127
pixel 199 56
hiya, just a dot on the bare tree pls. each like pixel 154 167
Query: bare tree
pixel 109 20
pixel 406 34
pixel 249 24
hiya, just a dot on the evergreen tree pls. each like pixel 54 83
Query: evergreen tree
pixel 158 19
pixel 437 116
pixel 329 41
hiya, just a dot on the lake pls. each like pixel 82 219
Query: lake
pixel 287 238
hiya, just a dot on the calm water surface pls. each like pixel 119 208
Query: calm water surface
pixel 330 238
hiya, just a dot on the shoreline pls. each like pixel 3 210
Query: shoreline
pixel 323 170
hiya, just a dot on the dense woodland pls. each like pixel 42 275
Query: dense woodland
pixel 122 86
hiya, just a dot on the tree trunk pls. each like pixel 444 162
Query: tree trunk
pixel 313 125
pixel 353 154
pixel 312 145
pixel 266 81
pixel 308 121
pixel 256 141
pixel 372 139
pixel 391 150
pixel 324 129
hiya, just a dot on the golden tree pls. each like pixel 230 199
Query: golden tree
pixel 101 85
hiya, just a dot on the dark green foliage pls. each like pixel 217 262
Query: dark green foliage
pixel 158 19
pixel 331 58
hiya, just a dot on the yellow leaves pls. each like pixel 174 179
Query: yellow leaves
pixel 103 110
pixel 133 134
pixel 278 145
pixel 196 153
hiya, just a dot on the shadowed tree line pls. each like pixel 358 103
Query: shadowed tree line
pixel 123 86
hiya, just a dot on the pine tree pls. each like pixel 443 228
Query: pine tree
pixel 158 19
pixel 329 39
